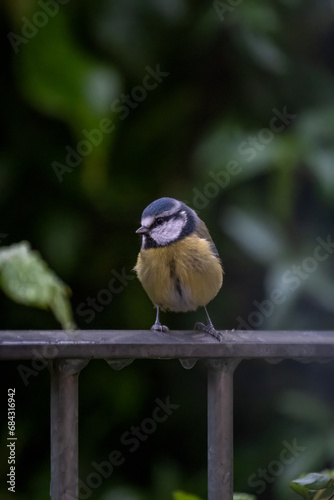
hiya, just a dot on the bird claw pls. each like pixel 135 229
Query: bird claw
pixel 210 330
pixel 158 327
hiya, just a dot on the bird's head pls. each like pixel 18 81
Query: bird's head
pixel 166 221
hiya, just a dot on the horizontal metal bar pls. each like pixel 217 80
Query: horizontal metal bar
pixel 113 344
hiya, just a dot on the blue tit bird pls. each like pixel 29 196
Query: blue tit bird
pixel 178 263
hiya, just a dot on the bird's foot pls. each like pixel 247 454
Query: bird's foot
pixel 210 330
pixel 158 327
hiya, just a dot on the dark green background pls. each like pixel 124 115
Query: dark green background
pixel 229 68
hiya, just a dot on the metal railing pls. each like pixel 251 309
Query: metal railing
pixel 67 352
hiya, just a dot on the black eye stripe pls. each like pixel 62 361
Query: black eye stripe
pixel 160 220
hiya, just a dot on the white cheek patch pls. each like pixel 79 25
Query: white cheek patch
pixel 167 232
pixel 147 221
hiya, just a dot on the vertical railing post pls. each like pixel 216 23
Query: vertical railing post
pixel 220 428
pixel 64 428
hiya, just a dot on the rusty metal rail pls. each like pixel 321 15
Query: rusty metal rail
pixel 67 352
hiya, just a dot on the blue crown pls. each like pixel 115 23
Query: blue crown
pixel 159 206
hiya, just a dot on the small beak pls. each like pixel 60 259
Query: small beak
pixel 142 230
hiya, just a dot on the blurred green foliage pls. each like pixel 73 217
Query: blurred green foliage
pixel 180 495
pixel 240 126
pixel 315 486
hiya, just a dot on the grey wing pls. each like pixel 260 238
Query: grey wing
pixel 203 232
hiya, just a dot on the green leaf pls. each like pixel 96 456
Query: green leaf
pixel 26 279
pixel 243 496
pixel 180 495
pixel 327 494
pixel 301 490
pixel 329 472
pixel 314 486
pixel 314 481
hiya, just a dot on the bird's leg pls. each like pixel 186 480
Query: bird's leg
pixel 209 328
pixel 158 327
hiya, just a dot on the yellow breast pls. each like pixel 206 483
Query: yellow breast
pixel 182 276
